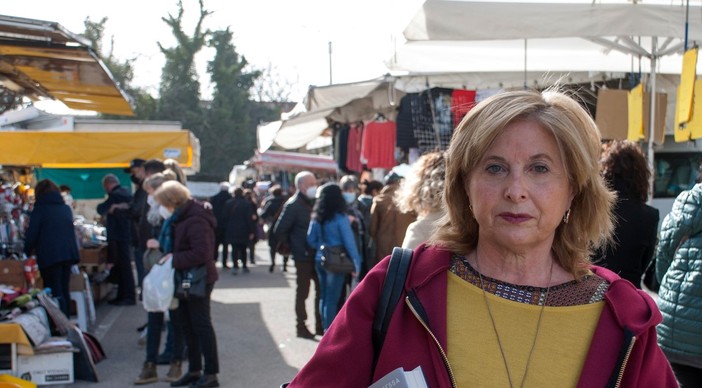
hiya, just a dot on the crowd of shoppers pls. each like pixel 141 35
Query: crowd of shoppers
pixel 368 218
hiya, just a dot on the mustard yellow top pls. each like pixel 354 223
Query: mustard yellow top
pixel 474 353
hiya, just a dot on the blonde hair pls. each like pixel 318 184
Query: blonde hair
pixel 423 190
pixel 174 167
pixel 155 181
pixel 172 194
pixel 591 220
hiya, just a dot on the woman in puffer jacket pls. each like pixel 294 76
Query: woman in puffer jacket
pixel 679 269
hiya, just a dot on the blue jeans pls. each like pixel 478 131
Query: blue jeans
pixel 330 287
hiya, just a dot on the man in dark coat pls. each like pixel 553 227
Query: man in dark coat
pixel 137 210
pixel 240 228
pixel 292 228
pixel 218 202
pixel 272 207
pixel 118 224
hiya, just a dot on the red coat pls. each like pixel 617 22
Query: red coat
pixel 344 356
pixel 193 239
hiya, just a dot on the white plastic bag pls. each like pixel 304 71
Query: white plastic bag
pixel 158 287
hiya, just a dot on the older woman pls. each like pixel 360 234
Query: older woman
pixel 189 227
pixel 504 294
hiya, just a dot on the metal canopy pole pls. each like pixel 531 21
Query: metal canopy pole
pixel 652 113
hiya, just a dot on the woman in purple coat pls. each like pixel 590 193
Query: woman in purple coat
pixel 189 229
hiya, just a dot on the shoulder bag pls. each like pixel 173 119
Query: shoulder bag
pixel 393 286
pixel 191 282
pixel 335 259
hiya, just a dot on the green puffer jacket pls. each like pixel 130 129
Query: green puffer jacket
pixel 679 268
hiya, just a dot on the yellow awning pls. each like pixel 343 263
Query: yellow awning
pixel 42 59
pixel 97 149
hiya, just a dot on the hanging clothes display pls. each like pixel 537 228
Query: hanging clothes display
pixel 462 101
pixel 432 120
pixel 405 120
pixel 341 137
pixel 354 147
pixel 378 146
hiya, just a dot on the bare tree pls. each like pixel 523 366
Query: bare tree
pixel 271 86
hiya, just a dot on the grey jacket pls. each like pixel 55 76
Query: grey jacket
pixel 679 268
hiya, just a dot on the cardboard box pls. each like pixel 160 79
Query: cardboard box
pixel 46 369
pixel 93 255
pixel 12 273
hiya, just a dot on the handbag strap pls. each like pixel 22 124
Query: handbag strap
pixel 393 287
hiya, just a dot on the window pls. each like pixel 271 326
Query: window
pixel 674 173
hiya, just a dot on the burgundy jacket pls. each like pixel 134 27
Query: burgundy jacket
pixel 193 239
pixel 623 353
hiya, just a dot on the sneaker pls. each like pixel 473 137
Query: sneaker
pixel 270 269
pixel 235 270
pixel 246 270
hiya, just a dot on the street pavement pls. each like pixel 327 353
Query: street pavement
pixel 254 320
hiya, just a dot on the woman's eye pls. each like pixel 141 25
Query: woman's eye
pixel 540 168
pixel 494 169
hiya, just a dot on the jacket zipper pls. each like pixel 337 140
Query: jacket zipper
pixel 436 341
pixel 624 362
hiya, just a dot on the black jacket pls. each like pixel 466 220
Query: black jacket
pixel 292 226
pixel 240 222
pixel 634 240
pixel 218 202
pixel 118 223
pixel 51 234
pixel 268 215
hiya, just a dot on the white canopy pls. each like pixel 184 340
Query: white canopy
pixel 343 103
pixel 472 20
pixel 489 37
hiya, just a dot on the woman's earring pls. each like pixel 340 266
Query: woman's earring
pixel 566 216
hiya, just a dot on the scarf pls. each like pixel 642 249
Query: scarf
pixel 165 239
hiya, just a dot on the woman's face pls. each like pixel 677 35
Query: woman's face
pixel 519 191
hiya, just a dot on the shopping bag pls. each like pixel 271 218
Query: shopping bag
pixel 158 287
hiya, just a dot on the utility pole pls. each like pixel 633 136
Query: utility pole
pixel 330 63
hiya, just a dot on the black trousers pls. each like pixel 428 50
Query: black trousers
pixel 58 277
pixel 192 321
pixel 121 256
pixel 306 274
pixel 220 240
pixel 238 253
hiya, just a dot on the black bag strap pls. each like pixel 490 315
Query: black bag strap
pixel 393 287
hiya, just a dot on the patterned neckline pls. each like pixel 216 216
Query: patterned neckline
pixel 589 289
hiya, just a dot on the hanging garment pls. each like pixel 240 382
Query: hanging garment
pixel 353 148
pixel 379 144
pixel 432 121
pixel 341 145
pixel 462 101
pixel 405 124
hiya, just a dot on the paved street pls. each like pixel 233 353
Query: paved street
pixel 254 321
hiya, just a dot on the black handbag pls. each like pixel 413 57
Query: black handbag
pixel 191 282
pixel 335 259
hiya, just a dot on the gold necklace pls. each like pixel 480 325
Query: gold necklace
pixel 497 335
